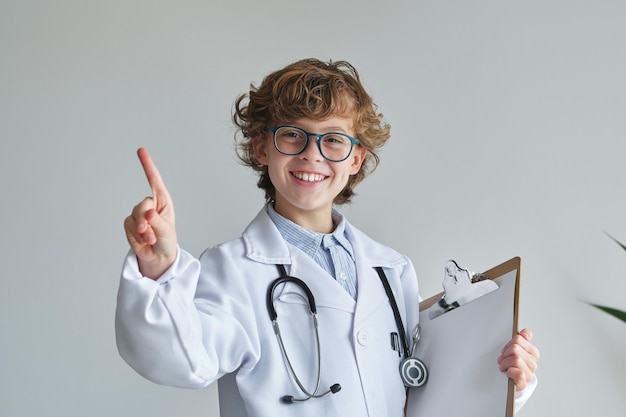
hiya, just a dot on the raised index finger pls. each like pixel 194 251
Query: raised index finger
pixel 152 174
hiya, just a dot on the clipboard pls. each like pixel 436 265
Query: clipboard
pixel 460 348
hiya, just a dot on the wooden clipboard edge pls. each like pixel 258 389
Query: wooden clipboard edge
pixel 513 264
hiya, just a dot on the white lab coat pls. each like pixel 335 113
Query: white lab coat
pixel 207 318
pixel 202 320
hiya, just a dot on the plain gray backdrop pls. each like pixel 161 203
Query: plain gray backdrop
pixel 508 139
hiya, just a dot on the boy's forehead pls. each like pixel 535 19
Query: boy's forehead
pixel 345 120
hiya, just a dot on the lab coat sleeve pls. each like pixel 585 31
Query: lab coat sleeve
pixel 522 396
pixel 158 328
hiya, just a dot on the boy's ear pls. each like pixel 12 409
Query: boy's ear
pixel 259 144
pixel 358 156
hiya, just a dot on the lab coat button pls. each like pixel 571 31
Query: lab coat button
pixel 343 276
pixel 363 337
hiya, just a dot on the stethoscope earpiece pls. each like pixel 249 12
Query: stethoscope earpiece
pixel 287 399
pixel 290 399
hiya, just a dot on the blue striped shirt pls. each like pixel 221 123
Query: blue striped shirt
pixel 333 251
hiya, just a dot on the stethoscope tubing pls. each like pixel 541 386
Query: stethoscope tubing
pixel 290 366
pixel 283 279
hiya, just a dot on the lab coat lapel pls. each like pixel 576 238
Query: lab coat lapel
pixel 265 244
pixel 263 241
pixel 370 254
pixel 327 291
pixel 371 293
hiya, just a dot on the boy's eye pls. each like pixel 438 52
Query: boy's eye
pixel 292 134
pixel 335 139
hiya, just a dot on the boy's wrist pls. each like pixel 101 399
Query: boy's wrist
pixel 156 268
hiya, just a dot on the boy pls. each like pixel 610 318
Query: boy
pixel 311 131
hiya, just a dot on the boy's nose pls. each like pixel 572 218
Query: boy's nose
pixel 312 152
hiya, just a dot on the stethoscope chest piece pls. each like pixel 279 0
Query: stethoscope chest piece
pixel 413 372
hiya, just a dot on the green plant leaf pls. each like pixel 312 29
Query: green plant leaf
pixel 616 241
pixel 621 315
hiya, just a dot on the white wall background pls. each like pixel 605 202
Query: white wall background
pixel 509 134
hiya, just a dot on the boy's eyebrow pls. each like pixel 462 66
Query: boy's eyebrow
pixel 328 129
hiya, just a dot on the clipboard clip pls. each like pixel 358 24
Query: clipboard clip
pixel 460 287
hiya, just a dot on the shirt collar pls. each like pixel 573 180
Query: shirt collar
pixel 307 240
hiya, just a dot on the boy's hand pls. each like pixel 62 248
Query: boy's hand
pixel 519 359
pixel 150 228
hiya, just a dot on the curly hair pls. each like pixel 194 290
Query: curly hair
pixel 316 90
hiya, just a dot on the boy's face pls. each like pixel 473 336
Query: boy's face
pixel 307 184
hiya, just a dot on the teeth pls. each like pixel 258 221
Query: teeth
pixel 308 177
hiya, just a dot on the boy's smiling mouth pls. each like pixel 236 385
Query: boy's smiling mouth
pixel 308 176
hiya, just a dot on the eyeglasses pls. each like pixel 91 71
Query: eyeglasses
pixel 333 146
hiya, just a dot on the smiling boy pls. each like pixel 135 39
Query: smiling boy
pixel 311 132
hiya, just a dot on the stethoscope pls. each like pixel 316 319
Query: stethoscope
pixel 413 371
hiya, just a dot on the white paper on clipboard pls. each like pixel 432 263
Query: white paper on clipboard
pixel 460 348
